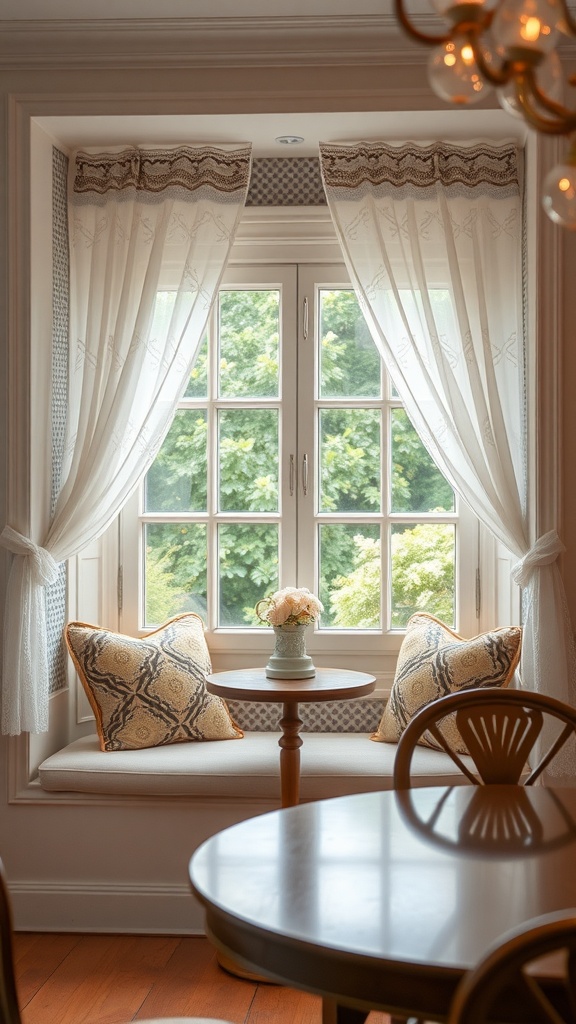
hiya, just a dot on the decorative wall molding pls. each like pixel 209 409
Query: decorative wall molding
pixel 148 908
pixel 349 40
pixel 206 42
pixel 546 325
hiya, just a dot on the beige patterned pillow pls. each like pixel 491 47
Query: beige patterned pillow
pixel 149 691
pixel 435 661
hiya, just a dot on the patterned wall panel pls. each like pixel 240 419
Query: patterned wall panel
pixel 331 716
pixel 56 594
pixel 286 181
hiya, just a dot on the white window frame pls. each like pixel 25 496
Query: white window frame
pixel 336 643
pixel 283 236
pixel 131 615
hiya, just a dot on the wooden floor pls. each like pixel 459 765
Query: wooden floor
pixel 110 979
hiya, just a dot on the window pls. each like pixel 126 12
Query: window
pixel 291 461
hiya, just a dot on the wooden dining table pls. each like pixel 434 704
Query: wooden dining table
pixel 383 900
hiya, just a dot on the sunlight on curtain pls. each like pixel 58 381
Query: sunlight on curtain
pixel 141 221
pixel 432 238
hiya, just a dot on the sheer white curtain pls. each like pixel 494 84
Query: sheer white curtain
pixel 432 240
pixel 150 235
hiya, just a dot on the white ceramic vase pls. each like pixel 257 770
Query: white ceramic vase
pixel 289 659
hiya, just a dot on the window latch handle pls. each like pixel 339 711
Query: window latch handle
pixel 305 320
pixel 305 475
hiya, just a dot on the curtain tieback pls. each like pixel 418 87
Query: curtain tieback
pixel 544 552
pixel 44 567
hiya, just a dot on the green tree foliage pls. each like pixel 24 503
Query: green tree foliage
pixel 355 596
pixel 249 344
pixel 417 486
pixel 350 571
pixel 350 460
pixel 349 360
pixel 422 572
pixel 422 578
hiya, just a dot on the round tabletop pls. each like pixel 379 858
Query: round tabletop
pixel 326 684
pixel 367 905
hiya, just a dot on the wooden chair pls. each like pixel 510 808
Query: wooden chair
pixel 9 1009
pixel 508 986
pixel 503 730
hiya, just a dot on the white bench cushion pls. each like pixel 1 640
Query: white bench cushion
pixel 332 764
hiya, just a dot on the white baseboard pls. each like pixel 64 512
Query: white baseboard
pixel 92 907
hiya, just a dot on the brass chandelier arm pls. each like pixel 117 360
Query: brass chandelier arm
pixel 551 105
pixel 526 89
pixel 408 27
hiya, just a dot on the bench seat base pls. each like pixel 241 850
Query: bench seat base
pixel 331 764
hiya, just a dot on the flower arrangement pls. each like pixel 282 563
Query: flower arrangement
pixel 292 606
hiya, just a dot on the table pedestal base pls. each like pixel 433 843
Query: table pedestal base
pixel 254 684
pixel 290 743
pixel 229 965
pixel 334 1013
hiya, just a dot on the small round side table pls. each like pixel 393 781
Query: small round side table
pixel 253 684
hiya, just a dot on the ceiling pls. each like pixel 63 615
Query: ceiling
pixel 262 130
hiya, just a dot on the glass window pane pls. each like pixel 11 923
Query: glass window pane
pixel 248 570
pixel 249 326
pixel 176 481
pixel 198 382
pixel 350 364
pixel 350 460
pixel 423 572
pixel 350 576
pixel 417 485
pixel 248 453
pixel 175 570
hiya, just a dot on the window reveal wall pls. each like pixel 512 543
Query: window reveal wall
pixel 56 594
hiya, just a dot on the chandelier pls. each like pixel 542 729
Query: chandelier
pixel 508 45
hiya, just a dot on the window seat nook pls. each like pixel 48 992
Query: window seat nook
pixel 337 758
pixel 143 813
pixel 332 764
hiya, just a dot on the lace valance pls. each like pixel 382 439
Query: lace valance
pixel 158 172
pixel 411 170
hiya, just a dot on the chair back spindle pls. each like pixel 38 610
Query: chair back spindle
pixel 511 736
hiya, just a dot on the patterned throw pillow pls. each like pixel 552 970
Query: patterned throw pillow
pixel 148 691
pixel 435 661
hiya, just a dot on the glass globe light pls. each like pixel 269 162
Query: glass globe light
pixel 454 75
pixel 549 79
pixel 559 194
pixel 527 25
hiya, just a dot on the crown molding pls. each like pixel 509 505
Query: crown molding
pixel 206 42
pixel 215 42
